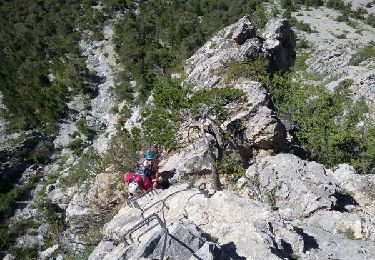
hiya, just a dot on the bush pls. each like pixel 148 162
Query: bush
pixel 255 70
pixel 84 129
pixel 76 146
pixel 42 152
pixel 362 54
pixel 326 122
pixel 303 26
pixel 4 238
pixel 371 20
pixel 172 103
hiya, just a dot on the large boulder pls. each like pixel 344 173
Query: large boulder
pixel 279 44
pixel 239 42
pixel 295 187
pixel 360 187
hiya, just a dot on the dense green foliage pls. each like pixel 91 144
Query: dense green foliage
pixel 255 69
pixel 42 152
pixel 173 102
pixel 8 200
pixel 154 41
pixel 327 122
pixel 362 54
pixel 346 9
pixel 38 43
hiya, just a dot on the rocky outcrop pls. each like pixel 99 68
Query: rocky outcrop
pixel 91 203
pixel 279 45
pixel 360 187
pixel 252 126
pixel 247 233
pixel 239 42
pixel 295 187
pixel 232 226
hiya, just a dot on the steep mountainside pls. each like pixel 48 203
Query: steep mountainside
pixel 261 110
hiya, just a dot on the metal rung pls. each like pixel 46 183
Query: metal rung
pixel 132 201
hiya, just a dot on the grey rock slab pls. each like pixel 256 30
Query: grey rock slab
pixel 101 250
pixel 360 226
pixel 190 160
pixel 324 245
pixel 359 186
pixel 240 225
pixel 296 187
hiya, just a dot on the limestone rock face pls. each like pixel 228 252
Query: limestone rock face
pixel 297 188
pixel 324 245
pixel 253 232
pixel 334 65
pixel 354 225
pixel 239 42
pixel 280 44
pixel 360 187
pixel 89 204
pixel 190 160
pixel 223 225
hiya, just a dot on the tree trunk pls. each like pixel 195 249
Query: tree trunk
pixel 214 174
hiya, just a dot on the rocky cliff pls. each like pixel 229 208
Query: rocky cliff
pixel 282 207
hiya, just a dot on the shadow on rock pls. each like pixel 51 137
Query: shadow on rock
pixel 309 242
pixel 230 249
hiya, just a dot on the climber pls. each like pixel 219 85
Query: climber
pixel 146 176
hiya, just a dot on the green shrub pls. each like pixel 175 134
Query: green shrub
pixel 76 146
pixel 84 129
pixel 172 103
pixel 255 70
pixel 8 200
pixel 326 122
pixel 362 54
pixel 371 20
pixel 300 25
pixel 349 233
pixel 4 238
pixel 231 167
pixel 302 43
pixel 122 152
pixel 51 213
pixel 25 252
pixel 42 152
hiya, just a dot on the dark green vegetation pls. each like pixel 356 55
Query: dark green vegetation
pixel 347 11
pixel 39 41
pixel 327 122
pixel 363 54
pixel 173 103
pixel 8 200
pixel 345 8
pixel 164 33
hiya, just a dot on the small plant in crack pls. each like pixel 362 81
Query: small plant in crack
pixel 349 233
pixel 270 196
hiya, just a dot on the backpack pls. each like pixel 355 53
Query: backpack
pixel 130 177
